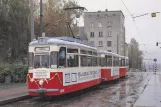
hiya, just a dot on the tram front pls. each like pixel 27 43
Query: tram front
pixel 42 72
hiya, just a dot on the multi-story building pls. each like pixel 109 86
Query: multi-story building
pixel 105 29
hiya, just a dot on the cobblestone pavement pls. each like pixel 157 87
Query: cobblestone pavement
pixel 120 93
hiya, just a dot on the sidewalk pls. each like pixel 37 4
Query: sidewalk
pixel 14 93
pixel 151 96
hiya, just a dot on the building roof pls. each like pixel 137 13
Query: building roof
pixel 106 12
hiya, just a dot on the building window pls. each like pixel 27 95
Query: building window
pixel 100 44
pixel 109 33
pixel 106 15
pixel 91 24
pixel 100 34
pixel 109 28
pixel 100 25
pixel 109 44
pixel 92 34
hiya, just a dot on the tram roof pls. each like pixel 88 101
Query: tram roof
pixel 110 53
pixel 63 41
pixel 106 52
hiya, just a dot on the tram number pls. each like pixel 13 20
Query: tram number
pixel 62 90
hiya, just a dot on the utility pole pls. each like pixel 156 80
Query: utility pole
pixel 32 20
pixel 41 18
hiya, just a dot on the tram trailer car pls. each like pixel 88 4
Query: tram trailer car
pixel 113 66
pixel 58 66
pixel 124 62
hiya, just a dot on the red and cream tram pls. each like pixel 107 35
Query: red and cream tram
pixel 63 65
pixel 109 66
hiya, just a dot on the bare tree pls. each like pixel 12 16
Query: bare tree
pixel 135 54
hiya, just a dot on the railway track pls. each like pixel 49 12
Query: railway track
pixel 67 99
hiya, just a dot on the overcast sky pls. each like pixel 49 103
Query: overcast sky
pixel 149 28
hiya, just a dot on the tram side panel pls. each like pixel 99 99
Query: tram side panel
pixel 81 78
pixel 110 73
pixel 123 71
pixel 69 80
pixel 106 74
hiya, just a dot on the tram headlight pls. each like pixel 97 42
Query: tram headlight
pixel 41 82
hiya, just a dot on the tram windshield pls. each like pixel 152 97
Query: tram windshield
pixel 41 61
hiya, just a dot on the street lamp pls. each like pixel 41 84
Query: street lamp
pixel 78 14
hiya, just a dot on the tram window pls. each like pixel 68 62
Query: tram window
pixel 41 61
pixel 109 60
pixel 72 50
pixel 31 57
pixel 95 53
pixel 83 60
pixel 54 59
pixel 98 61
pixel 106 60
pixel 62 57
pixel 89 52
pixel 73 60
pixel 83 52
pixel 94 61
pixel 115 61
pixel 89 61
pixel 103 61
pixel 122 62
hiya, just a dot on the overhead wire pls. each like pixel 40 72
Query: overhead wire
pixel 133 19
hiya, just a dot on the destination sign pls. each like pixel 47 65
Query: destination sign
pixel 41 75
pixel 39 49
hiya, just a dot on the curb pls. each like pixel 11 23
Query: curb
pixel 14 99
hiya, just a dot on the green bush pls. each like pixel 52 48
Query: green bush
pixel 16 72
